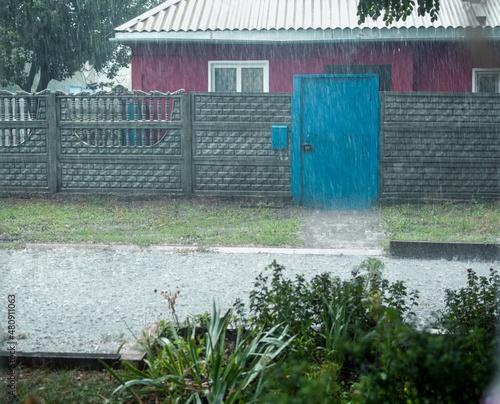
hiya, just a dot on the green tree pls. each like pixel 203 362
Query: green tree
pixel 42 40
pixel 395 10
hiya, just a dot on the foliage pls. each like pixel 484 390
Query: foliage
pixel 328 317
pixel 209 367
pixel 322 313
pixel 325 313
pixel 475 306
pixel 401 364
pixel 355 344
pixel 395 10
pixel 54 39
pixel 301 382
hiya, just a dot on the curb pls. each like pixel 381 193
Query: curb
pixel 60 360
pixel 448 251
pixel 372 251
pixel 131 352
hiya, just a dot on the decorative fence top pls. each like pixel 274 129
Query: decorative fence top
pixel 93 116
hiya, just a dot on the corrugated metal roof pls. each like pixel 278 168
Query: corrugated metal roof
pixel 211 15
pixel 202 16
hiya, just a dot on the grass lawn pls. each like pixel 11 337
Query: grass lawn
pixel 447 222
pixel 168 222
pixel 59 386
pixel 208 223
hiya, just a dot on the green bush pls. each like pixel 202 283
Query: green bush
pixel 398 363
pixel 325 311
pixel 475 306
pixel 292 382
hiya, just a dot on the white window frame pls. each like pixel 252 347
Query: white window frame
pixel 238 64
pixel 475 72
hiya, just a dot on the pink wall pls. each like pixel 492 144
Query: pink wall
pixel 415 66
pixel 447 67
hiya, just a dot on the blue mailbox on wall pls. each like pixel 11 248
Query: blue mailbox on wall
pixel 279 137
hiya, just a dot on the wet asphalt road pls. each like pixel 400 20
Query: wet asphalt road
pixel 73 299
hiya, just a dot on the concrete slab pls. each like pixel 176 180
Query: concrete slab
pixel 448 251
pixel 341 229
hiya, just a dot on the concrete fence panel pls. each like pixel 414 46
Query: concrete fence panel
pixel 437 146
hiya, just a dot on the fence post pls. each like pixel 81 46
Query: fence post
pixel 52 140
pixel 186 147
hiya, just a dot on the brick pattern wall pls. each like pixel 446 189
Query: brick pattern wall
pixel 235 143
pixel 119 175
pixel 220 146
pixel 440 146
pixel 437 108
pixel 433 146
pixel 270 108
pixel 436 143
pixel 24 166
pixel 233 153
pixel 243 179
pixel 23 175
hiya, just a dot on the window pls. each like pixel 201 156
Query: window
pixel 486 80
pixel 383 71
pixel 239 77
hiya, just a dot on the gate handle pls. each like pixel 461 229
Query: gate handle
pixel 307 147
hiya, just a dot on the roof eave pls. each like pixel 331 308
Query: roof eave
pixel 328 35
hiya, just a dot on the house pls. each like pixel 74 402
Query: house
pixel 259 45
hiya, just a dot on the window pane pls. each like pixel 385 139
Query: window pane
pixel 225 80
pixel 252 80
pixel 487 83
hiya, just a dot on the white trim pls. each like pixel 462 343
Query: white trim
pixel 238 64
pixel 312 35
pixel 475 72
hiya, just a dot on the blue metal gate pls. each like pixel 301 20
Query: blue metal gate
pixel 335 132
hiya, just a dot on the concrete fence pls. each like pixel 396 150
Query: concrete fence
pixel 433 146
pixel 440 146
pixel 120 141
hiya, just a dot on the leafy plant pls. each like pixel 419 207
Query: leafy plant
pixel 398 363
pixel 324 312
pixel 294 382
pixel 209 367
pixel 474 306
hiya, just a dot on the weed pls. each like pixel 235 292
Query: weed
pixel 171 299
